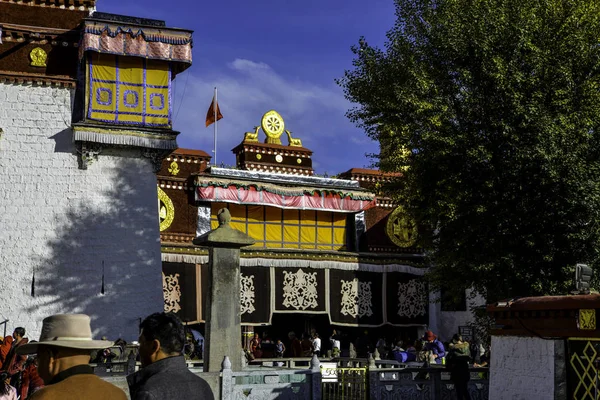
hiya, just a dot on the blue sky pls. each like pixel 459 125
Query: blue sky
pixel 267 54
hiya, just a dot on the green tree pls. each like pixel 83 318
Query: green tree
pixel 499 104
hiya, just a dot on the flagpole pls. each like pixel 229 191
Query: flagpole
pixel 215 134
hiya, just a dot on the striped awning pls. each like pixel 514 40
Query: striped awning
pixel 157 43
pixel 302 198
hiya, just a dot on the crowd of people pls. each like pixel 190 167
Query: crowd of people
pixel 427 348
pixel 57 366
pixel 430 350
pixel 18 373
pixel 457 355
pixel 307 346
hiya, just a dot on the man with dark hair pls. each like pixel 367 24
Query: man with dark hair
pixel 164 374
pixel 14 363
pixel 19 333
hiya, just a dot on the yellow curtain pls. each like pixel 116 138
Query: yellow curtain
pixel 128 90
pixel 296 229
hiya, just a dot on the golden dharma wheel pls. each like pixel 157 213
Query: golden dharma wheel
pixel 166 210
pixel 273 126
pixel 401 229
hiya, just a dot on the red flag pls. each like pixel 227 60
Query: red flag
pixel 210 115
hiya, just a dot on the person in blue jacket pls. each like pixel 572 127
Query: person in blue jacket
pixel 433 345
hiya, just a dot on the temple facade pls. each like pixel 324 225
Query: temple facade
pixel 329 252
pixel 85 121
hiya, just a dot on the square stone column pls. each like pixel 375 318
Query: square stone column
pixel 223 336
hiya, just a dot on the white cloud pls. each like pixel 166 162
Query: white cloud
pixel 247 65
pixel 246 90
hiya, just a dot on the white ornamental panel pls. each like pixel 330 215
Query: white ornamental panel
pixel 356 298
pixel 412 298
pixel 171 292
pixel 247 294
pixel 300 290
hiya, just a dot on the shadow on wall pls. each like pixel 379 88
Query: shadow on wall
pixel 104 259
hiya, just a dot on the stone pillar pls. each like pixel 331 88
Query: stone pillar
pixel 248 335
pixel 223 320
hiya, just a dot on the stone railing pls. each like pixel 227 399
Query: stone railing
pixel 342 362
pixel 423 383
pixel 296 362
pixel 370 379
pixel 266 384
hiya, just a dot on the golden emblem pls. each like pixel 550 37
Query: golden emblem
pixel 252 136
pixel 166 211
pixel 299 160
pixel 174 168
pixel 273 126
pixel 258 156
pixel 401 229
pixel 293 142
pixel 587 320
pixel 278 158
pixel 38 57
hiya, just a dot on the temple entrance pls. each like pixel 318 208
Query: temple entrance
pixel 363 338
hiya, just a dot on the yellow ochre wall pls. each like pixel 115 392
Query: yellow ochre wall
pixel 291 229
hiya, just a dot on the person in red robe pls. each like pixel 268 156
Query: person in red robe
pixel 13 364
pixel 4 349
pixel 30 379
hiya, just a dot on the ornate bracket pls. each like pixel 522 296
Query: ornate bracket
pixel 88 153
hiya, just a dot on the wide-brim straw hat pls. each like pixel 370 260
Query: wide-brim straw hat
pixel 72 331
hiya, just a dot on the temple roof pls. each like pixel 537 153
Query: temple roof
pixel 66 4
pixel 191 152
pixel 363 174
pixel 572 302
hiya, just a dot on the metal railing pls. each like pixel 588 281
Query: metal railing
pixel 5 323
pixel 344 383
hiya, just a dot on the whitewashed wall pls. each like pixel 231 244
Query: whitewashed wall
pixel 449 321
pixel 524 368
pixel 61 222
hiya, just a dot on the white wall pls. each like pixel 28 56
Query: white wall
pixel 522 368
pixel 449 321
pixel 61 222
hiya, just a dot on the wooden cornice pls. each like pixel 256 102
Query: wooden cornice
pixel 545 316
pixel 170 182
pixel 78 5
pixel 369 175
pixel 41 35
pixel 269 148
pixel 36 79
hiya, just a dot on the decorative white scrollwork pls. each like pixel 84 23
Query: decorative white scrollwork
pixel 171 292
pixel 247 294
pixel 356 298
pixel 364 299
pixel 412 298
pixel 300 290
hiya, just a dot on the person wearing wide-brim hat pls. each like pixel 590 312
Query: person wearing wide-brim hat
pixel 63 360
pixel 433 345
